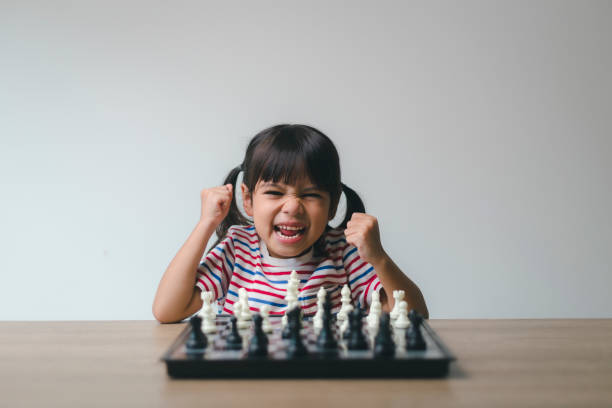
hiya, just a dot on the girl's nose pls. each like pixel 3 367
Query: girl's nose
pixel 293 205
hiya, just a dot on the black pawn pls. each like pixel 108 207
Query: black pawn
pixel 326 342
pixel 296 347
pixel 234 339
pixel 414 337
pixel 258 347
pixel 383 343
pixel 356 339
pixel 197 340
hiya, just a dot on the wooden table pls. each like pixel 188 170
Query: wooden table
pixel 554 363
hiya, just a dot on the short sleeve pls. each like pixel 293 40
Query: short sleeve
pixel 362 278
pixel 215 270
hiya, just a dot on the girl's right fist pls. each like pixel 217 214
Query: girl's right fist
pixel 216 203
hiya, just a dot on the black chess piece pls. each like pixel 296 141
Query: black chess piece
pixel 414 336
pixel 258 347
pixel 296 347
pixel 326 342
pixel 197 339
pixel 234 339
pixel 384 346
pixel 356 338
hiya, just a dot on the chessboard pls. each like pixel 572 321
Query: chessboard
pixel 216 360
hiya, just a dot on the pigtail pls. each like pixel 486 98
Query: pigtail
pixel 234 216
pixel 353 205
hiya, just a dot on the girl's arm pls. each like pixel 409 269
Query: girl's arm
pixel 392 278
pixel 362 232
pixel 177 296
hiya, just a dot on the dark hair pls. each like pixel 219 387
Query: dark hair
pixel 285 153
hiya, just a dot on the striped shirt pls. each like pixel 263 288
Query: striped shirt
pixel 241 260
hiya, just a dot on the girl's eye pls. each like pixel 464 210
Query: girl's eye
pixel 315 195
pixel 272 192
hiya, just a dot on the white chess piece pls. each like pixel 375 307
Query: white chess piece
pixel 402 321
pixel 398 295
pixel 317 320
pixel 292 295
pixel 209 325
pixel 265 314
pixel 346 304
pixel 205 296
pixel 373 318
pixel 243 299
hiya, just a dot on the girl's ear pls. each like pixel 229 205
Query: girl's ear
pixel 247 200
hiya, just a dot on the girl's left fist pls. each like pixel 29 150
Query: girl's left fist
pixel 362 232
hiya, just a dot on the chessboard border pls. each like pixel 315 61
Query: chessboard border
pixel 311 366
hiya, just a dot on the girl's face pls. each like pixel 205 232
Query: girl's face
pixel 289 218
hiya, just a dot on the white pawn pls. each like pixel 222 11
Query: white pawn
pixel 318 317
pixel 243 299
pixel 205 296
pixel 373 318
pixel 346 304
pixel 265 314
pixel 398 295
pixel 402 321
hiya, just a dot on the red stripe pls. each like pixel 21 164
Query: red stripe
pixel 365 292
pixel 246 252
pixel 213 285
pixel 358 268
pixel 263 292
pixel 249 262
pixel 347 267
pixel 246 238
pixel 203 283
pixel 242 278
pixel 339 248
pixel 319 284
pixel 375 286
pixel 225 268
pixel 243 230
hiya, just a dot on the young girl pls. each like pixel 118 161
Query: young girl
pixel 291 189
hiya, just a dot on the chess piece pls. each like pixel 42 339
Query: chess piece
pixel 245 310
pixel 398 295
pixel 291 296
pixel 286 333
pixel 207 314
pixel 374 315
pixel 317 320
pixel 346 307
pixel 265 314
pixel 234 339
pixel 383 344
pixel 197 341
pixel 356 338
pixel 258 347
pixel 402 321
pixel 326 342
pixel 295 347
pixel 414 337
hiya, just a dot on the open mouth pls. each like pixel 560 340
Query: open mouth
pixel 286 232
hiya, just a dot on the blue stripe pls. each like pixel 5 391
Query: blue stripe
pixel 362 275
pixel 251 299
pixel 231 266
pixel 246 245
pixel 348 254
pixel 320 268
pixel 242 268
pixel 214 275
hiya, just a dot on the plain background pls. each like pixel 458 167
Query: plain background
pixel 479 134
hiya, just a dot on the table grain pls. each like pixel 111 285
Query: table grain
pixel 543 362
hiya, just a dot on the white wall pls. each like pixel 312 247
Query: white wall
pixel 479 133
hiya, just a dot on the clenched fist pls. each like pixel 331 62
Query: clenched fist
pixel 362 232
pixel 215 204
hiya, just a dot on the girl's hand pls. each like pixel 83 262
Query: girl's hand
pixel 215 204
pixel 362 232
